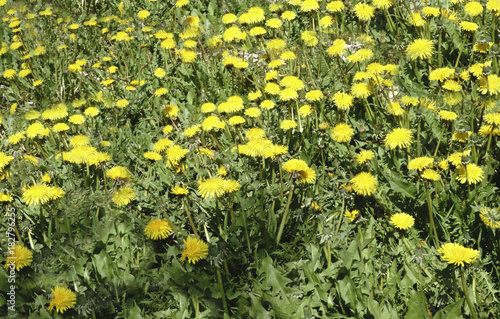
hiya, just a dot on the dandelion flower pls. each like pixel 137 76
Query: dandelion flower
pixel 192 130
pixel 335 6
pixel 309 5
pixel 208 107
pixel 473 8
pixel 382 4
pixel 402 221
pixel 299 167
pixel 337 48
pixel 77 119
pixel 489 85
pixel 288 124
pixel 176 153
pixel 211 123
pixel 62 299
pixel 288 94
pixel 253 112
pixel 20 257
pixel 452 85
pixel 493 119
pixel 314 95
pixel 91 111
pixel 457 254
pixel 447 115
pixel 40 194
pixel 420 48
pixel 305 110
pixel 364 184
pixel 79 140
pixel 153 156
pixel 13 139
pixel 361 90
pixel 161 91
pixel 493 5
pixel 364 12
pixel 162 145
pixel 344 101
pixel 195 250
pixel 229 18
pixel 399 137
pixel 490 216
pixel 351 215
pixel 431 175
pixel 364 156
pixel 431 11
pixel 212 187
pixel 361 55
pixel 157 229
pixel 288 15
pixel 9 73
pixel 469 26
pixel 419 163
pixel 441 74
pixel 123 196
pixel 309 38
pixel 5 160
pixel 119 172
pixel 36 130
pixel 471 174
pixel 179 190
pixel 342 133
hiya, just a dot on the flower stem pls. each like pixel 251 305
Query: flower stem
pixel 171 224
pixel 221 287
pixel 283 220
pixel 431 215
pixel 190 219
pixel 466 293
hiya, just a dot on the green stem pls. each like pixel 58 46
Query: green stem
pixel 244 213
pixel 460 53
pixel 171 224
pixel 190 219
pixel 285 215
pixel 431 215
pixel 223 294
pixel 466 293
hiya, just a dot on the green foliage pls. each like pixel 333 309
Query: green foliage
pixel 302 242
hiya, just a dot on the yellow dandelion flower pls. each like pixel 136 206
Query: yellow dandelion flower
pixel 195 250
pixel 399 137
pixel 402 221
pixel 123 196
pixel 419 163
pixel 157 229
pixel 363 11
pixel 420 48
pixel 62 299
pixel 364 156
pixel 288 125
pixel 41 193
pixel 351 215
pixel 457 254
pixel 431 175
pixel 342 133
pixel 490 216
pixel 470 173
pixel 364 184
pixel 18 258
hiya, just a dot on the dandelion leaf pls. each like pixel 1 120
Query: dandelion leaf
pixel 417 307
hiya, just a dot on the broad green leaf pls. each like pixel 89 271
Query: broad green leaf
pixel 417 307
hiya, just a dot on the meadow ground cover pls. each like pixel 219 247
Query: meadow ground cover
pixel 250 159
